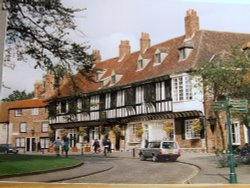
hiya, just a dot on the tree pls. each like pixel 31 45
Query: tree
pixel 227 73
pixel 18 95
pixel 40 29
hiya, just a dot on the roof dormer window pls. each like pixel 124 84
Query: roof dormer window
pixel 160 55
pixel 185 50
pixel 142 63
pixel 113 79
pixel 158 58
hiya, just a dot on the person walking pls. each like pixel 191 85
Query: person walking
pixel 96 145
pixel 66 146
pixel 57 145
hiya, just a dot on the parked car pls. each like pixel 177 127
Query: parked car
pixel 8 148
pixel 160 150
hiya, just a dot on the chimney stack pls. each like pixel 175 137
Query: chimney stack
pixel 38 90
pixel 191 23
pixel 97 56
pixel 124 48
pixel 144 42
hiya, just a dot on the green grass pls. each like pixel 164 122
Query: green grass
pixel 18 164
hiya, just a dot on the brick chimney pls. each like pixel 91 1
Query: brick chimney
pixel 144 42
pixel 97 56
pixel 38 90
pixel 124 48
pixel 191 23
pixel 49 85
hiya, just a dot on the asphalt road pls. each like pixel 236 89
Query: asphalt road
pixel 134 171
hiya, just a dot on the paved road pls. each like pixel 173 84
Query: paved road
pixel 134 171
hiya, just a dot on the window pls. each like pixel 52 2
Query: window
pixel 133 136
pixel 62 107
pixel 45 127
pixel 107 100
pixel 35 111
pixel 23 128
pixel 160 91
pixel 190 132
pixel 120 98
pixel 79 105
pixel 235 133
pixel 20 142
pixel 94 102
pixel 18 112
pixel 113 79
pixel 44 141
pixel 140 64
pixel 158 58
pixel 182 88
pixel 139 95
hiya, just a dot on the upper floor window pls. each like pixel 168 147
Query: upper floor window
pixel 107 100
pixel 113 79
pixel 94 102
pixel 45 127
pixel 139 95
pixel 23 127
pixel 35 111
pixel 62 107
pixel 120 101
pixel 140 64
pixel 162 91
pixel 79 105
pixel 235 133
pixel 185 50
pixel 182 88
pixel 18 112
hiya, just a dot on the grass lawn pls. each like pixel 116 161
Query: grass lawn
pixel 18 164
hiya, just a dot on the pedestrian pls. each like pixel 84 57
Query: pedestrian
pixel 66 146
pixel 96 145
pixel 57 145
pixel 107 146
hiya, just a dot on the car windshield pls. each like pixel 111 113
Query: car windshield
pixel 169 145
pixel 154 144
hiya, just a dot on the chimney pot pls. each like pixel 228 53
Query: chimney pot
pixel 97 56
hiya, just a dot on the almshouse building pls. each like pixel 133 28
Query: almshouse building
pixel 146 95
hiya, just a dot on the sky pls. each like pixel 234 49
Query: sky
pixel 105 23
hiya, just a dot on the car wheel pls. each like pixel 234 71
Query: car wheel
pixel 154 159
pixel 142 157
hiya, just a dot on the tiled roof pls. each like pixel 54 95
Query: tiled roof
pixel 22 104
pixel 205 45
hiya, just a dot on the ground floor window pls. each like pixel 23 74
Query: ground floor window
pixel 235 133
pixel 190 129
pixel 135 132
pixel 20 142
pixel 44 142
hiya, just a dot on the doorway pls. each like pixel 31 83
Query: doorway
pixel 30 144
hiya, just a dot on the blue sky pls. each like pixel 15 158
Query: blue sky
pixel 106 22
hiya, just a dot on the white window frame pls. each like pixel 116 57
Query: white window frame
pixel 18 112
pixel 189 130
pixel 160 91
pixel 182 88
pixel 158 58
pixel 45 127
pixel 20 142
pixel 140 64
pixel 35 111
pixel 235 134
pixel 44 141
pixel 59 107
pixel 94 102
pixel 139 95
pixel 120 98
pixel 79 105
pixel 23 127
pixel 107 100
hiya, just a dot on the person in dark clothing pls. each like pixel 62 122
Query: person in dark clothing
pixel 66 146
pixel 96 145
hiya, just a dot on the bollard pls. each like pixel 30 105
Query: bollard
pixel 134 152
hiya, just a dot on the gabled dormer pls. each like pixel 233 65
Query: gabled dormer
pixel 142 62
pixel 159 56
pixel 185 50
pixel 114 78
pixel 99 74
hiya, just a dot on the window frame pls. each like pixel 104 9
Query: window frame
pixel 21 128
pixel 18 112
pixel 35 111
pixel 20 142
pixel 44 129
pixel 189 130
pixel 182 89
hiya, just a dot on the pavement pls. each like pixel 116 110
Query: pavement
pixel 207 169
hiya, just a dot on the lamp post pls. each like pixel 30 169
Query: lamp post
pixel 233 177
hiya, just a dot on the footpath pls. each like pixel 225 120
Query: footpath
pixel 208 171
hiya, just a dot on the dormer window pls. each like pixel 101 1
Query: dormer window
pixel 140 64
pixel 185 50
pixel 113 79
pixel 158 58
